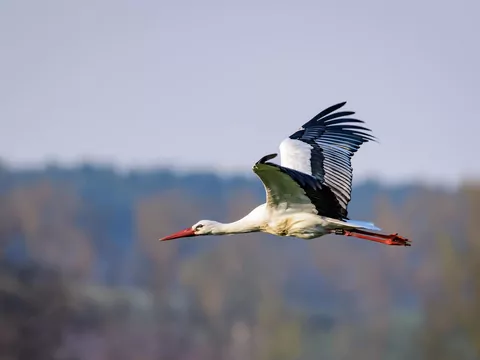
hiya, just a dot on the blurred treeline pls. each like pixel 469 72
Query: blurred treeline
pixel 83 275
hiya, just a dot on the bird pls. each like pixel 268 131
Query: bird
pixel 308 193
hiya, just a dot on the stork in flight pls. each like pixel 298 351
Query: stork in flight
pixel 307 195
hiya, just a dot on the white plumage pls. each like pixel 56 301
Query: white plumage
pixel 308 194
pixel 296 155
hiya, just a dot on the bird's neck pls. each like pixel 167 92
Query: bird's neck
pixel 253 222
pixel 236 227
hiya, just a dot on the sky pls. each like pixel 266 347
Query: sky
pixel 218 84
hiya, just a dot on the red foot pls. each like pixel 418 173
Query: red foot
pixel 395 239
pixel 392 239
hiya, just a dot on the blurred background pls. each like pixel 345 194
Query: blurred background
pixel 123 121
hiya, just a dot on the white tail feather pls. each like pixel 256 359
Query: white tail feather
pixel 363 225
pixel 352 224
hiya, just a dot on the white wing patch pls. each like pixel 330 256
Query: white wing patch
pixel 295 154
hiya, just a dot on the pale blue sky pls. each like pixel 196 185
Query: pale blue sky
pixel 219 84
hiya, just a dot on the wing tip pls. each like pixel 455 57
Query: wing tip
pixel 325 112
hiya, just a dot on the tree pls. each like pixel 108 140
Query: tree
pixel 47 218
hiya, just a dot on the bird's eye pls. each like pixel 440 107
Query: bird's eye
pixel 198 227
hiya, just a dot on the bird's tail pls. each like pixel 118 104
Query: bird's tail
pixel 362 225
pixel 353 224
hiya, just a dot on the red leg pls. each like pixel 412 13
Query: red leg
pixel 392 239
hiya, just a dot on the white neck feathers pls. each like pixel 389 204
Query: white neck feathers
pixel 253 222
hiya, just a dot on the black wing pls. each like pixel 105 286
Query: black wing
pixel 323 148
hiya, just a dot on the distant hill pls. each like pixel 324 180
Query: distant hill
pixel 101 183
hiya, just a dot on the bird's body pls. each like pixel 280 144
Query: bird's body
pixel 301 225
pixel 282 222
pixel 307 195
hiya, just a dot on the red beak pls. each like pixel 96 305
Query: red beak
pixel 181 234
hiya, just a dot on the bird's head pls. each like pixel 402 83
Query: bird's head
pixel 203 227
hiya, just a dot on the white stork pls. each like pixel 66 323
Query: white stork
pixel 307 195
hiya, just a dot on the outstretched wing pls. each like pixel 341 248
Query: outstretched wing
pixel 289 189
pixel 323 148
